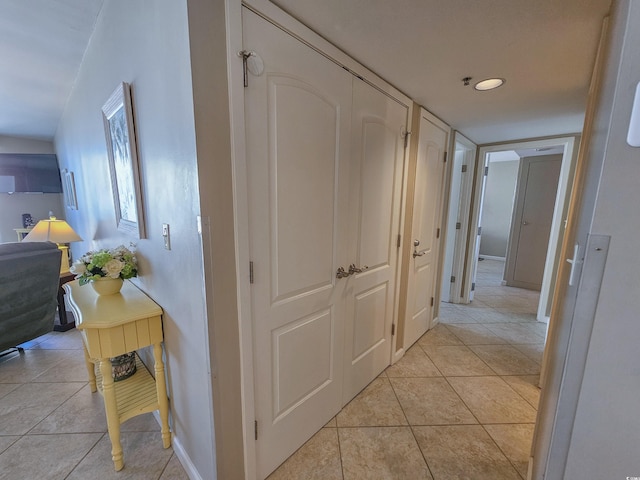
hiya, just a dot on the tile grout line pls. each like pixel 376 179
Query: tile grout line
pixel 413 433
pixel 85 455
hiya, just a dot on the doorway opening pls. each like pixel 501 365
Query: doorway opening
pixel 473 201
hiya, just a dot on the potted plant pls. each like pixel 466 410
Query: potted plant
pixel 106 269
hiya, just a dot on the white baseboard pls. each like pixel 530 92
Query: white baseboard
pixel 544 319
pixel 491 257
pixel 186 462
pixel 178 449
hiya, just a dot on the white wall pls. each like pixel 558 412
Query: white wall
pixel 12 206
pixel 498 206
pixel 146 44
pixel 604 442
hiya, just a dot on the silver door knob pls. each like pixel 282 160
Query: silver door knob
pixel 341 273
pixel 353 269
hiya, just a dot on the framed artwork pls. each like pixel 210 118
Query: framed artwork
pixel 123 161
pixel 69 188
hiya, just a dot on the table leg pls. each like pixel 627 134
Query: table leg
pixel 65 324
pixel 90 369
pixel 161 392
pixel 111 409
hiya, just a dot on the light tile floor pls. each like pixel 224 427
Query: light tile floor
pixel 53 427
pixel 461 403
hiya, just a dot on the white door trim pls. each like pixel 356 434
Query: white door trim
pixel 464 207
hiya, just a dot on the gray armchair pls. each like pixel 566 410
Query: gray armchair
pixel 29 280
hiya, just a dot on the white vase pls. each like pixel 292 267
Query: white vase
pixel 107 285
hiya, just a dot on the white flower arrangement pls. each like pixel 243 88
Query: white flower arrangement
pixel 119 262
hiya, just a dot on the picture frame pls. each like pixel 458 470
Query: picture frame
pixel 117 113
pixel 69 189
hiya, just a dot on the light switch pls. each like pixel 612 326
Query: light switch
pixel 165 235
pixel 633 137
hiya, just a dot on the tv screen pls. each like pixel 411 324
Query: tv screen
pixel 29 173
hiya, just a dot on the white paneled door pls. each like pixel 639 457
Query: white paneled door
pixel 298 124
pixel 325 159
pixel 375 188
pixel 427 204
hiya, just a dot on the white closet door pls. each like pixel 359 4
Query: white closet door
pixel 375 187
pixel 427 204
pixel 297 121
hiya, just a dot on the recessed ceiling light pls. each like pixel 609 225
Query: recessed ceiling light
pixel 489 84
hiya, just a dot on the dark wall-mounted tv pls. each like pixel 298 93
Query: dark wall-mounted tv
pixel 29 173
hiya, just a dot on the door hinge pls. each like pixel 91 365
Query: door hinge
pixel 255 429
pixel 438 233
pixel 479 230
pixel 406 134
pixel 464 169
pixel 458 225
pixel 398 243
pixel 250 272
pixel 473 286
pixel 453 279
pixel 445 157
pixel 486 170
pixel 393 329
pixel 432 301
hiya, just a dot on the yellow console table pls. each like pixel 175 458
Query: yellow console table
pixel 112 325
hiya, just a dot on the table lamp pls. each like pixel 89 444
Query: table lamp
pixel 57 231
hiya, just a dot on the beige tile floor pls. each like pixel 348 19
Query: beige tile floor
pixel 461 404
pixel 53 427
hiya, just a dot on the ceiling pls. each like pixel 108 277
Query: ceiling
pixel 543 48
pixel 41 47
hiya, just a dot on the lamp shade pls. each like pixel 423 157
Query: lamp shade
pixel 57 231
pixel 52 230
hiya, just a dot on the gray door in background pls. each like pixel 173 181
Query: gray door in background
pixel 531 226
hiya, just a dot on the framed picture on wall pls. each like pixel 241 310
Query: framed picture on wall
pixel 69 189
pixel 119 129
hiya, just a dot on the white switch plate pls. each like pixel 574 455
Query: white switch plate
pixel 165 235
pixel 633 137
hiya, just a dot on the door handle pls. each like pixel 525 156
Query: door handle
pixel 525 222
pixel 341 273
pixel 575 261
pixel 353 269
pixel 418 254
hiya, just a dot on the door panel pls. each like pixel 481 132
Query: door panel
pixel 369 321
pixel 297 126
pixel 300 184
pixel 427 204
pixel 296 381
pixel 375 188
pixel 535 202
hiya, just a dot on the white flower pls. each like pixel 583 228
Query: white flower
pixel 78 267
pixel 113 268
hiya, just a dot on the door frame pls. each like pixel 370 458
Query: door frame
pixel 569 156
pixel 455 241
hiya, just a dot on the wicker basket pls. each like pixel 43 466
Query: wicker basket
pixel 123 366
